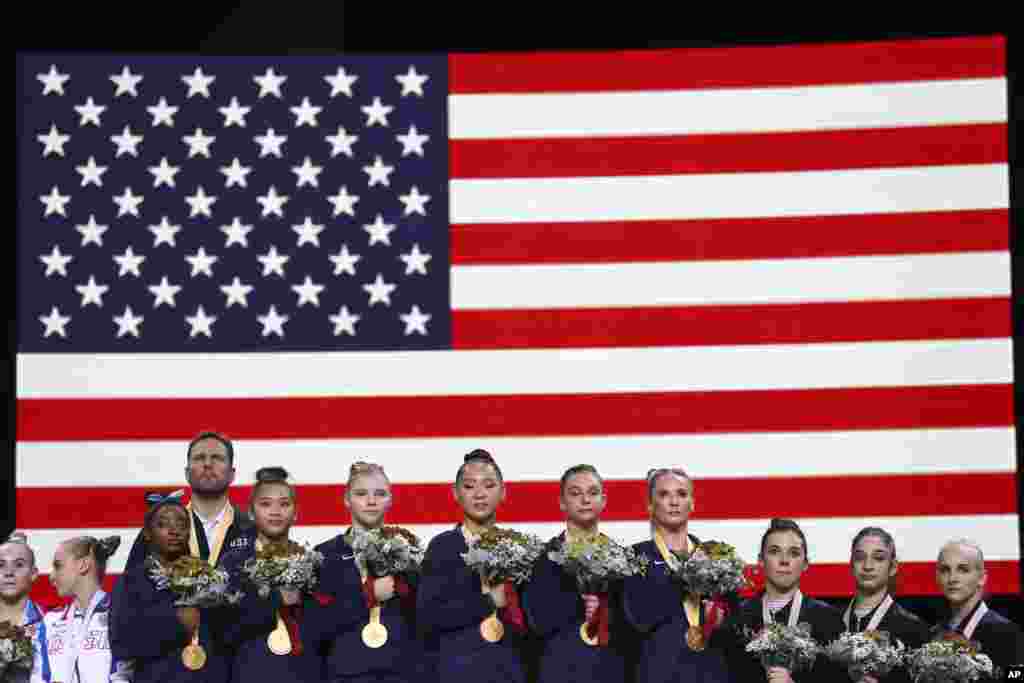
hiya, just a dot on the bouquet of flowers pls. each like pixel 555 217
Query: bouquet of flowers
pixel 790 647
pixel 15 647
pixel 283 564
pixel 195 582
pixel 712 569
pixel 598 562
pixel 952 658
pixel 389 550
pixel 870 653
pixel 502 555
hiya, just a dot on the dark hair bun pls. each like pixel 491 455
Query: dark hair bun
pixel 478 455
pixel 266 475
pixel 107 546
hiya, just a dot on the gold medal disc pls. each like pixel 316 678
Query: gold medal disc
pixel 695 638
pixel 491 629
pixel 278 641
pixel 375 634
pixel 585 637
pixel 193 657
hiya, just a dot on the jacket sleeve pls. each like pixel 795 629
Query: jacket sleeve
pixel 650 601
pixel 548 603
pixel 145 622
pixel 346 606
pixel 445 600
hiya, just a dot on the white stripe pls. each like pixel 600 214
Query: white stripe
pixel 705 456
pixel 517 372
pixel 730 195
pixel 917 538
pixel 685 112
pixel 708 283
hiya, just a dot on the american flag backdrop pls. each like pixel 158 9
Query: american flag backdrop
pixel 785 268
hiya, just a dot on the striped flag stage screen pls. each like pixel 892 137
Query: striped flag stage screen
pixel 785 268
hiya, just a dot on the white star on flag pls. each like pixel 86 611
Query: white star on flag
pixel 164 232
pixel 308 292
pixel 344 262
pixel 307 173
pixel 126 143
pixel 55 202
pixel 92 232
pixel 236 233
pixel 234 114
pixel 129 262
pixel 412 142
pixel 415 261
pixel 412 82
pixel 164 173
pixel 53 82
pixel 344 322
pixel 126 83
pixel 415 321
pixel 128 203
pixel 380 291
pixel 341 143
pixel 198 143
pixel 89 113
pixel 91 173
pixel 270 143
pixel 198 83
pixel 55 322
pixel 128 323
pixel 305 113
pixel 270 84
pixel 56 262
pixel 53 141
pixel 272 203
pixel 344 202
pixel 202 262
pixel 414 201
pixel 272 322
pixel 200 203
pixel 341 82
pixel 200 323
pixel 308 232
pixel 163 113
pixel 236 173
pixel 273 262
pixel 378 173
pixel 92 293
pixel 164 293
pixel 379 231
pixel 377 112
pixel 237 293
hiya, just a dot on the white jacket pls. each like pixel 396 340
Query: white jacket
pixel 78 645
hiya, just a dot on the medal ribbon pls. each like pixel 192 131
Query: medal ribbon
pixel 219 532
pixel 598 626
pixel 876 619
pixel 979 613
pixel 794 609
pixel 691 601
pixel 286 616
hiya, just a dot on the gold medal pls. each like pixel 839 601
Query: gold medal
pixel 278 640
pixel 695 638
pixel 491 629
pixel 585 637
pixel 375 635
pixel 193 657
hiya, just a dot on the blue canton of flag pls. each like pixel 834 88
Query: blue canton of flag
pixel 171 204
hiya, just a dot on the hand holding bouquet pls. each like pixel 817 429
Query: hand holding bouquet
pixel 388 551
pixel 15 647
pixel 789 647
pixel 871 653
pixel 713 569
pixel 194 581
pixel 504 555
pixel 285 565
pixel 952 658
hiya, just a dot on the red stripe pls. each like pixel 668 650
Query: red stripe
pixel 537 501
pixel 822 580
pixel 729 153
pixel 728 325
pixel 730 239
pixel 518 415
pixel 731 67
